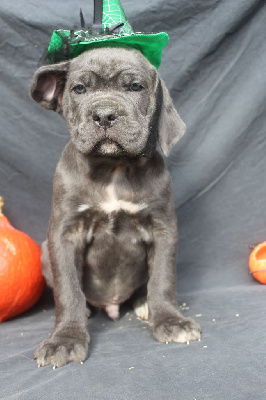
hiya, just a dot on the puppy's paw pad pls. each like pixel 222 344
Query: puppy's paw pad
pixel 177 330
pixel 43 354
pixel 141 309
pixel 88 312
pixel 59 353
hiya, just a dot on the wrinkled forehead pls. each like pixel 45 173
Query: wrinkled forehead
pixel 109 62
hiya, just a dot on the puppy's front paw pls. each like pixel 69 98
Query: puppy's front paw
pixel 63 347
pixel 177 329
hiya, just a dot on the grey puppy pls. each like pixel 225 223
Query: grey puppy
pixel 112 232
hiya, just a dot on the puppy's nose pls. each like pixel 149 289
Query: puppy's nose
pixel 104 118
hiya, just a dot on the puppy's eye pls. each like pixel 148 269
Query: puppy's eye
pixel 135 87
pixel 79 89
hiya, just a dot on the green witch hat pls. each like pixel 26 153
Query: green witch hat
pixel 110 28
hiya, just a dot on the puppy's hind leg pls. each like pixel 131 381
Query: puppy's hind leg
pixel 140 304
pixel 46 265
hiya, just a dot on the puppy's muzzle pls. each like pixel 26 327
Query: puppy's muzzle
pixel 105 114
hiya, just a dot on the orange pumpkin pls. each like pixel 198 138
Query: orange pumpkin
pixel 257 262
pixel 21 281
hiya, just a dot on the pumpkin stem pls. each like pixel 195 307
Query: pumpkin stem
pixel 1 205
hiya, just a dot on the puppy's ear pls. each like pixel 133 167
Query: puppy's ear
pixel 48 85
pixel 171 126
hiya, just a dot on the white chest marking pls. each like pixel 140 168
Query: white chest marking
pixel 83 207
pixel 113 204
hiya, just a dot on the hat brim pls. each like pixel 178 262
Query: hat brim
pixel 150 45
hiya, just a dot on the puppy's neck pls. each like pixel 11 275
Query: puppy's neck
pixel 118 162
pixel 105 168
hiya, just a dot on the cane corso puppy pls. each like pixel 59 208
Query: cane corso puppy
pixel 113 232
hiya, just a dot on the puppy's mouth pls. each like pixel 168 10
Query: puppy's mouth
pixel 108 146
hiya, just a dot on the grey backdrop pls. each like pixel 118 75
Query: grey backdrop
pixel 214 67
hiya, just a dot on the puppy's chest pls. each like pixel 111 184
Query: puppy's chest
pixel 117 210
pixel 113 201
pixel 117 196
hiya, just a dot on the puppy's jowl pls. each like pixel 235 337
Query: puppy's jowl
pixel 113 231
